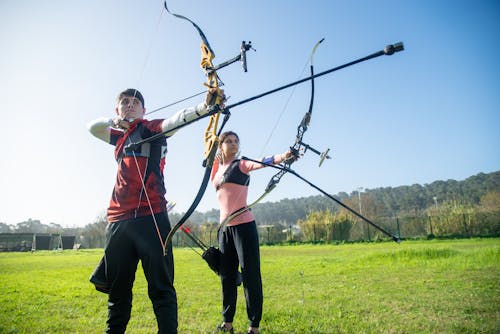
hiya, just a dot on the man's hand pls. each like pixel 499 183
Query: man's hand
pixel 215 96
pixel 121 123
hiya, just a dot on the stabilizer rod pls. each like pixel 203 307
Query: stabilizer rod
pixel 388 51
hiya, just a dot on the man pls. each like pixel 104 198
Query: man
pixel 137 213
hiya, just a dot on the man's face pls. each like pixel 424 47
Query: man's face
pixel 130 107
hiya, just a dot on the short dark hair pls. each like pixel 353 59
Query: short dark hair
pixel 131 92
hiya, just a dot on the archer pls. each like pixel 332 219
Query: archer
pixel 137 214
pixel 237 235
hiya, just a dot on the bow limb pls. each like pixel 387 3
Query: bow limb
pixel 207 56
pixel 202 35
pixel 301 129
pixel 209 161
pixel 211 135
pixel 199 196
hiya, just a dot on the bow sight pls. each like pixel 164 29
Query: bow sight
pixel 322 155
pixel 241 57
pixel 387 51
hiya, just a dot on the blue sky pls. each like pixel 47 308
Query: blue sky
pixel 428 113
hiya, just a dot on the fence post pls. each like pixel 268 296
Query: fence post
pixel 399 230
pixel 430 227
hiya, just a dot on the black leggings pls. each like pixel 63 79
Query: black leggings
pixel 239 245
pixel 127 242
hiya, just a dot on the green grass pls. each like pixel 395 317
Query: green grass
pixel 433 286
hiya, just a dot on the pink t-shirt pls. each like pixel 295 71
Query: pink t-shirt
pixel 232 196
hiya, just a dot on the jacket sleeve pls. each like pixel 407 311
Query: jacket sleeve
pixel 101 128
pixel 181 117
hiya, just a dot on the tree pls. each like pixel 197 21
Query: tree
pixel 4 228
pixel 31 226
pixel 490 201
pixel 94 235
pixel 326 225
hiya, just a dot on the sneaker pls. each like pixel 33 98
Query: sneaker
pixel 223 329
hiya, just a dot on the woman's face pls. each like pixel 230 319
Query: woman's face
pixel 230 145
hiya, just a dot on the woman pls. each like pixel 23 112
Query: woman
pixel 238 239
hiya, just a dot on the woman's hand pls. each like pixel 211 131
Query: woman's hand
pixel 218 157
pixel 291 155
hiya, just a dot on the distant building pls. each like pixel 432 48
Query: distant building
pixel 25 242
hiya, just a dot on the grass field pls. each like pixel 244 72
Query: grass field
pixel 433 286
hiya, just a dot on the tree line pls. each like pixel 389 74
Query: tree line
pixel 478 194
pixel 442 208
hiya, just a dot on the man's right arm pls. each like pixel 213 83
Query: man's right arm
pixel 182 117
pixel 171 125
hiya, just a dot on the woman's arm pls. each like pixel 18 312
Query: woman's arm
pixel 278 158
pixel 215 168
pixel 248 166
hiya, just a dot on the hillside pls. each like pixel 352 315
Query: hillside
pixel 382 202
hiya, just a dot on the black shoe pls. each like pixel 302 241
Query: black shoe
pixel 223 329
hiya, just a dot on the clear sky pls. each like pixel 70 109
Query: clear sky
pixel 429 113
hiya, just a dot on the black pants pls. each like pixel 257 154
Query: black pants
pixel 239 245
pixel 127 242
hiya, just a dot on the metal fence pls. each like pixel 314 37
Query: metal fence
pixel 478 224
